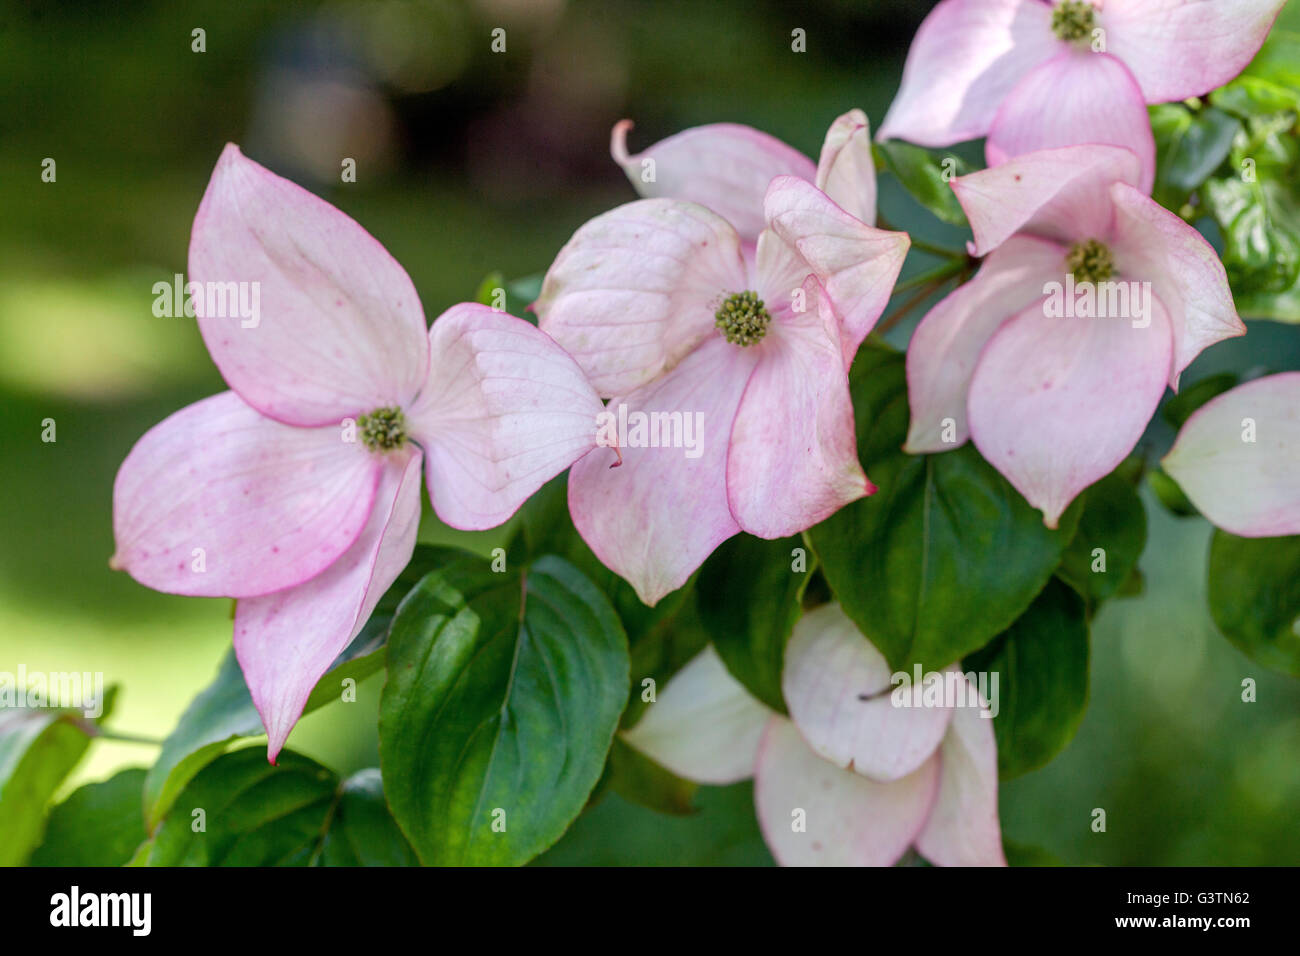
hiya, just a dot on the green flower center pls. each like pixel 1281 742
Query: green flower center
pixel 743 318
pixel 1090 261
pixel 1074 20
pixel 383 429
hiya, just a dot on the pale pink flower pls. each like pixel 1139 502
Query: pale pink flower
pixel 1033 74
pixel 1055 402
pixel 852 777
pixel 1238 458
pixel 298 492
pixel 669 307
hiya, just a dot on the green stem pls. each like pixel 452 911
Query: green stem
pixel 937 274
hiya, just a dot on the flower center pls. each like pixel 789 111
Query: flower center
pixel 743 318
pixel 1073 20
pixel 1090 261
pixel 383 429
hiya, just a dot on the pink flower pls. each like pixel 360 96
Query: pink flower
pixel 1238 458
pixel 670 308
pixel 1053 398
pixel 298 492
pixel 1030 74
pixel 858 773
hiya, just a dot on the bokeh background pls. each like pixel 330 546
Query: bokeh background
pixel 470 162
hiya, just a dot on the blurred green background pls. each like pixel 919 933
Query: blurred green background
pixel 470 162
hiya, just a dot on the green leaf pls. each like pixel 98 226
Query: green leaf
pixel 946 554
pixel 635 777
pixel 1170 494
pixel 661 638
pixel 100 824
pixel 1190 146
pixel 223 712
pixel 513 297
pixel 1112 533
pixel 1042 667
pixel 39 747
pixel 362 831
pixel 504 691
pixel 749 596
pixel 242 811
pixel 1255 598
pixel 926 175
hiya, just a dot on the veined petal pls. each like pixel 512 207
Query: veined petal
pixel 637 288
pixel 220 501
pixel 723 166
pixel 846 172
pixel 794 428
pixel 339 329
pixel 654 518
pixel 963 828
pixel 504 410
pixel 857 264
pixel 839 691
pixel 964 60
pixel 1183 48
pixel 1057 403
pixel 1059 194
pixel 1075 97
pixel 1247 488
pixel 1153 244
pixel 704 726
pixel 287 640
pixel 947 343
pixel 847 819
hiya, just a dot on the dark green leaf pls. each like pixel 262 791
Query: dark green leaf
pixel 750 593
pixel 637 778
pixel 100 824
pixel 1171 494
pixel 242 811
pixel 39 747
pixel 1255 597
pixel 926 175
pixel 1112 533
pixel 946 554
pixel 504 692
pixel 1042 667
pixel 223 711
pixel 1190 146
pixel 362 831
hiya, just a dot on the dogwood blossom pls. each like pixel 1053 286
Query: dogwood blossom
pixel 672 309
pixel 1091 298
pixel 854 776
pixel 1238 458
pixel 1033 74
pixel 298 491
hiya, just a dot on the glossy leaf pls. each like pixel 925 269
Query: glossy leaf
pixel 100 824
pixel 242 811
pixel 504 691
pixel 1042 667
pixel 926 175
pixel 1112 533
pixel 946 554
pixel 1254 592
pixel 749 594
